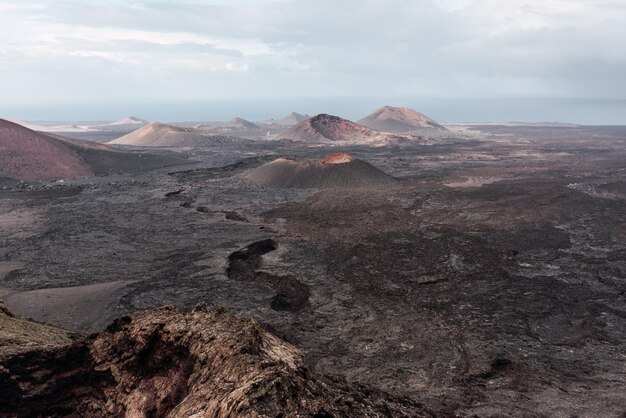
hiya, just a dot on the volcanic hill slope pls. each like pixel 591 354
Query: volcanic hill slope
pixel 32 156
pixel 336 170
pixel 29 155
pixel 399 120
pixel 325 128
pixel 165 363
pixel 161 135
pixel 241 123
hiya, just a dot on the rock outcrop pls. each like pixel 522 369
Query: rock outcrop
pixel 19 335
pixel 166 363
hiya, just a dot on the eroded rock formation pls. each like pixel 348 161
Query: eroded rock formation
pixel 164 362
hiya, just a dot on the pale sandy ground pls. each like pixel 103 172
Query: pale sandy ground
pixel 64 305
pixel 19 223
pixel 17 334
pixel 474 182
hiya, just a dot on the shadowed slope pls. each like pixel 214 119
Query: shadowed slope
pixel 104 159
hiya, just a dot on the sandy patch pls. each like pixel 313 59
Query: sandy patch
pixel 20 223
pixel 530 154
pixel 78 308
pixel 474 182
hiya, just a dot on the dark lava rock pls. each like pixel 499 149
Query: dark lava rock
pixel 291 294
pixel 234 216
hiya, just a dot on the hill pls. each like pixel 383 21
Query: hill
pixel 125 125
pixel 29 155
pixel 291 119
pixel 399 120
pixel 336 170
pixel 328 128
pixel 130 120
pixel 161 135
pixel 32 156
pixel 241 123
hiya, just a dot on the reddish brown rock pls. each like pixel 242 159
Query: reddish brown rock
pixel 336 158
pixel 165 363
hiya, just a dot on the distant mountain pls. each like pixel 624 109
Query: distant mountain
pixel 161 135
pixel 31 156
pixel 130 120
pixel 336 170
pixel 329 128
pixel 241 123
pixel 61 127
pixel 291 119
pixel 121 126
pixel 398 120
pixel 125 125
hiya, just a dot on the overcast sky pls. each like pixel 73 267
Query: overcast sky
pixel 100 53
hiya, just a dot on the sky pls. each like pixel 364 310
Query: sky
pixel 210 60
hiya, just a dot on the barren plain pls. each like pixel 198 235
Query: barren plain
pixel 488 280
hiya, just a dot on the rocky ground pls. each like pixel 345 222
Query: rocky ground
pixel 488 281
pixel 204 363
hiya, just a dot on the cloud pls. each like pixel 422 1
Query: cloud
pixel 298 48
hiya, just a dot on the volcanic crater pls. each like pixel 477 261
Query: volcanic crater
pixel 335 170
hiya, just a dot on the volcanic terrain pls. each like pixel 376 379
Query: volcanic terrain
pixel 19 335
pixel 159 363
pixel 336 170
pixel 399 120
pixel 240 123
pixel 126 125
pixel 161 135
pixel 291 119
pixel 485 279
pixel 325 128
pixel 31 156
